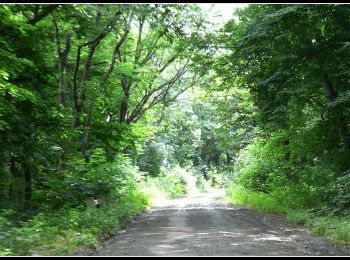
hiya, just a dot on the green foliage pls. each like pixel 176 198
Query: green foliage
pixel 68 219
pixel 287 202
pixel 294 153
pixel 65 231
pixel 216 177
pixel 257 165
pixel 98 179
pixel 153 158
pixel 172 182
pixel 98 99
pixel 268 167
pixel 80 91
pixel 336 193
pixel 201 183
pixel 242 196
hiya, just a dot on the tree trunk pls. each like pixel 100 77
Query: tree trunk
pixel 62 68
pixel 62 80
pixel 85 142
pixel 62 61
pixel 76 117
pixel 78 102
pixel 125 101
pixel 217 158
pixel 228 158
pixel 99 89
pixel 205 174
pixel 27 198
pixel 12 170
pixel 60 166
pixel 123 111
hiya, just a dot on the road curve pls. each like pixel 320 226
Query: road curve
pixel 201 225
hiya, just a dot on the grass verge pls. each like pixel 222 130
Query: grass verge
pixel 336 229
pixel 69 230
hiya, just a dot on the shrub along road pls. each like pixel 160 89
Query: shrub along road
pixel 202 224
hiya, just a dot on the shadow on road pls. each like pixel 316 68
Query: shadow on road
pixel 203 225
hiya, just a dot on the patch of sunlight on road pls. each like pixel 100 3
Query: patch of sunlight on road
pixel 193 197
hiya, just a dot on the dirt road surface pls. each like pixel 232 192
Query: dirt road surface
pixel 203 225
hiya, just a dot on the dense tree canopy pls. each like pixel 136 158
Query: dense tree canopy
pixel 96 100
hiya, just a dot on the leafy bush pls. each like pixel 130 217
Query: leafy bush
pixel 156 155
pixel 172 182
pixel 268 167
pixel 151 160
pixel 335 228
pixel 98 179
pixel 67 220
pixel 308 192
pixel 256 165
pixel 201 183
pixel 337 195
pixel 341 232
pixel 216 177
pixel 300 217
pixel 243 196
pixel 61 233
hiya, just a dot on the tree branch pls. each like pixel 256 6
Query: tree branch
pixel 139 38
pixel 45 11
pixel 93 44
pixel 140 108
pixel 100 87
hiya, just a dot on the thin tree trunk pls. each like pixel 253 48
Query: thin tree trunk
pixel 125 101
pixel 100 88
pixel 61 161
pixel 12 170
pixel 62 62
pixel 78 102
pixel 123 110
pixel 228 158
pixel 27 198
pixel 76 117
pixel 62 80
pixel 63 71
pixel 86 133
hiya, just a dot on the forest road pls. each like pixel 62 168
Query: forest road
pixel 203 225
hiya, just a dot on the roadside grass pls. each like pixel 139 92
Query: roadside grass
pixel 295 208
pixel 69 230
